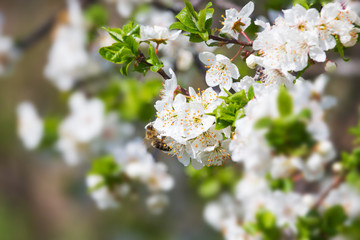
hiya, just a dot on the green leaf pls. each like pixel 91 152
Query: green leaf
pixel 209 188
pixel 132 44
pixel 185 18
pixel 251 93
pixel 266 223
pixel 115 33
pixel 112 53
pixel 202 19
pixel 264 122
pixel 180 26
pixel 191 10
pixel 285 103
pixel 340 49
pixel 97 15
pixel 282 184
pixel 221 124
pixel 333 218
pixel 302 3
pixel 104 166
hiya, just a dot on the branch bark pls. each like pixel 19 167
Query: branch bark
pixel 336 183
pixel 227 41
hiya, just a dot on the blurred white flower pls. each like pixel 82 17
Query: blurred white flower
pixel 100 193
pixel 84 123
pixel 156 203
pixel 30 125
pixel 68 59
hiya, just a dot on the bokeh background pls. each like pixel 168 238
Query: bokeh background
pixel 43 198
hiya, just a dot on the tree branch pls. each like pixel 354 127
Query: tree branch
pixel 336 183
pixel 227 41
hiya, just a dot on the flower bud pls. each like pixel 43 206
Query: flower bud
pixel 330 66
pixel 250 61
pixel 337 167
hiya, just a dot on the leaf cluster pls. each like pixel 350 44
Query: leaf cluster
pixel 211 181
pixel 232 108
pixel 125 50
pixel 108 169
pixel 318 226
pixel 197 24
pixel 287 134
pixel 265 225
pixel 282 184
pixel 132 99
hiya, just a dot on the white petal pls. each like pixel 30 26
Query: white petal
pixel 207 58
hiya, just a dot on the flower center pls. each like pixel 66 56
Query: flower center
pixel 237 26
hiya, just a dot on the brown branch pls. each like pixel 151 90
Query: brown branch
pixel 336 183
pixel 227 41
pixel 44 29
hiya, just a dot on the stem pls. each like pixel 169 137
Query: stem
pixel 237 54
pixel 247 38
pixel 157 48
pixel 227 41
pixel 336 183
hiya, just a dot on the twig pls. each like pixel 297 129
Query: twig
pixel 336 183
pixel 227 41
pixel 43 30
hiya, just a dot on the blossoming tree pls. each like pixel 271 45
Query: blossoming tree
pixel 266 131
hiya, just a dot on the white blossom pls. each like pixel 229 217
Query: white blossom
pixel 220 71
pixel 29 125
pixel 157 34
pixel 235 21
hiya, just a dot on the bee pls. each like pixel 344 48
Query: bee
pixel 156 141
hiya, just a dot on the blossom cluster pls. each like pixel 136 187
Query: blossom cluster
pixel 133 164
pixel 234 215
pixel 188 129
pixel 304 34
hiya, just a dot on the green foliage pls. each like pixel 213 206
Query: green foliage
pixel 277 4
pixel 311 3
pixel 126 50
pixel 198 25
pixel 108 169
pixel 287 134
pixel 316 226
pixel 351 161
pixel 282 184
pixel 266 224
pixel 154 60
pixel 50 132
pixel 132 99
pixel 96 15
pixel 351 231
pixel 232 108
pixel 210 181
pixel 285 103
pixel 355 131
